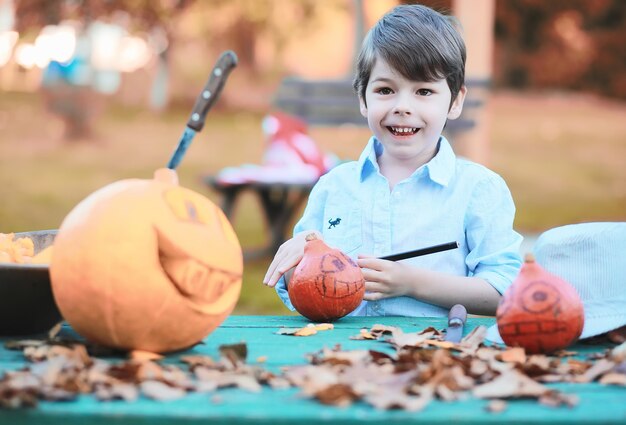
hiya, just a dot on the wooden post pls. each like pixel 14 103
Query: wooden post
pixel 477 20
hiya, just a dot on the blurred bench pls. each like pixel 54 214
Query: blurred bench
pixel 320 103
pixel 334 102
pixel 279 203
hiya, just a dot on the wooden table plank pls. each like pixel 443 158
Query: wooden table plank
pixel 598 404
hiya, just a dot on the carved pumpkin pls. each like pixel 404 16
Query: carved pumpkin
pixel 539 311
pixel 146 265
pixel 327 284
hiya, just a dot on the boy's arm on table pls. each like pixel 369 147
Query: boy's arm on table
pixel 385 279
pixel 493 259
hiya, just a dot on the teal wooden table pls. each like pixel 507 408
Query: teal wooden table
pixel 598 403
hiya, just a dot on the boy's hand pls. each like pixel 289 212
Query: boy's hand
pixel 287 257
pixel 383 278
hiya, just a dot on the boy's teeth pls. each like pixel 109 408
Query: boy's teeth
pixel 404 130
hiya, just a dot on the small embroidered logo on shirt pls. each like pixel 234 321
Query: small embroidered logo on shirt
pixel 334 222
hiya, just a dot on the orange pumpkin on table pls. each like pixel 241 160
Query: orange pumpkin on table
pixel 146 265
pixel 539 311
pixel 327 284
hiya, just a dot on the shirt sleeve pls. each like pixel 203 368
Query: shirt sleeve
pixel 311 220
pixel 492 242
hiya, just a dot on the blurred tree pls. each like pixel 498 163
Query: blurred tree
pixel 34 14
pixel 566 44
pixel 243 22
pixel 76 104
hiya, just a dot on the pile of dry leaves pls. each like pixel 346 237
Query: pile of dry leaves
pixel 422 368
pixel 425 367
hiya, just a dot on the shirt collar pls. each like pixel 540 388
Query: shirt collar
pixel 440 169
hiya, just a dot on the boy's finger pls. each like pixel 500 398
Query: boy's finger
pixel 373 296
pixel 369 262
pixel 375 287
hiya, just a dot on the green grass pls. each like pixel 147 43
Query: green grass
pixel 562 156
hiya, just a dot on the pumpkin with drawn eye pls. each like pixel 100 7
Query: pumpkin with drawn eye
pixel 539 311
pixel 146 265
pixel 327 284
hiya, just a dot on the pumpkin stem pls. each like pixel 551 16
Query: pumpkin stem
pixel 310 237
pixel 165 175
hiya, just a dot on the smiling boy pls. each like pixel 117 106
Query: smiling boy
pixel 408 189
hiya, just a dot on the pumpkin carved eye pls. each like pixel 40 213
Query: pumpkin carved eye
pixel 539 297
pixel 332 263
pixel 187 207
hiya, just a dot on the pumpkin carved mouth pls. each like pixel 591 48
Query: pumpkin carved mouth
pixel 327 285
pixel 208 289
pixel 532 328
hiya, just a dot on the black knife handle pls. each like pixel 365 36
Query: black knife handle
pixel 457 315
pixel 226 62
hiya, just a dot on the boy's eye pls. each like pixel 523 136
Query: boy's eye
pixel 384 90
pixel 424 92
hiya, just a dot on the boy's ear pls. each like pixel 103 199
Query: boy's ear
pixel 457 105
pixel 362 107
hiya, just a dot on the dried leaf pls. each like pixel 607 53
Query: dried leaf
pixel 398 400
pixel 364 334
pixel 496 406
pixel 54 331
pixel 287 331
pixel 117 391
pixel 472 341
pixel 380 330
pixel 306 331
pixel 556 399
pixel 235 353
pixel 599 368
pixel 23 343
pixel 511 384
pixel 157 390
pixel 194 361
pixel 612 378
pixel 415 339
pixel 322 326
pixel 618 354
pixel 440 344
pixel 337 395
pixel 513 355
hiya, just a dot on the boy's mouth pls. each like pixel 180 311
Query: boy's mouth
pixel 403 131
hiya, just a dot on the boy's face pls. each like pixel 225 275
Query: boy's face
pixel 407 116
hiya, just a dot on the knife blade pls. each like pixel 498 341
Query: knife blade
pixel 207 98
pixel 456 320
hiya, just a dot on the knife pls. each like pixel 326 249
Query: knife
pixel 456 320
pixel 224 65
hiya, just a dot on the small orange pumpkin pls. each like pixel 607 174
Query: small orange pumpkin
pixel 539 311
pixel 146 265
pixel 327 284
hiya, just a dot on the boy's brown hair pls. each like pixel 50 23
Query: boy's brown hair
pixel 418 42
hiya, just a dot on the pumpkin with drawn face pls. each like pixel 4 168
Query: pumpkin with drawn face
pixel 539 311
pixel 146 265
pixel 327 284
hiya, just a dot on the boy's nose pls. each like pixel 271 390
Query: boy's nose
pixel 402 106
pixel 400 110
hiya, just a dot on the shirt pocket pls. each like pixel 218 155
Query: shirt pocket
pixel 343 227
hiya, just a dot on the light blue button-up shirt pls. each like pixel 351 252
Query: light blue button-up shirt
pixel 447 199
